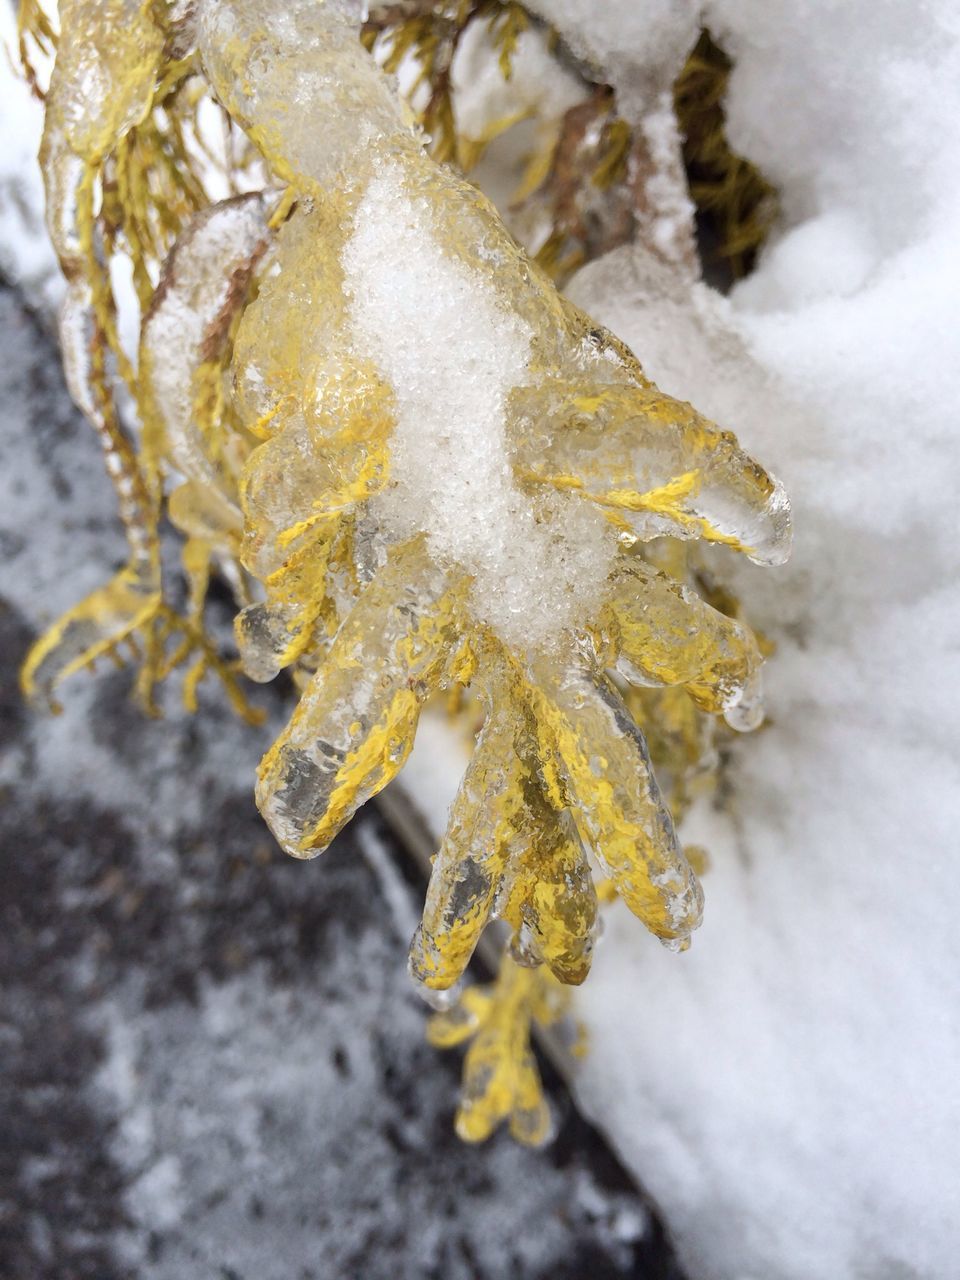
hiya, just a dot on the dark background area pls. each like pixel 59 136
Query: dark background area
pixel 212 1063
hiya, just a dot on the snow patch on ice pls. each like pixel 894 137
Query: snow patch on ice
pixel 639 48
pixel 452 351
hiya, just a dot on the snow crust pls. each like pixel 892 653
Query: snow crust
pixel 452 351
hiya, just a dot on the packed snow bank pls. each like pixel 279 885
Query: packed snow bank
pixel 789 1089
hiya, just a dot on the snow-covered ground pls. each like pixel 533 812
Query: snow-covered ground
pixel 790 1088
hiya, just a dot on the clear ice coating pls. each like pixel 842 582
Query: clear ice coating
pixel 407 359
pixel 419 467
pixel 501 1081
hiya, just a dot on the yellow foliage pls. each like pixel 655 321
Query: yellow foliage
pixel 270 436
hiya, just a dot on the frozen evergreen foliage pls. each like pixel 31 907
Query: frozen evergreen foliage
pixel 415 463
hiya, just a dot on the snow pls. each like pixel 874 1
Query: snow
pixel 670 209
pixel 638 48
pixel 451 353
pixel 789 1089
pixel 25 252
pixel 538 85
pixel 273 1094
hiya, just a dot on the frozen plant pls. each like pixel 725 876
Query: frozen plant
pixel 418 465
pixel 476 72
pixel 501 1081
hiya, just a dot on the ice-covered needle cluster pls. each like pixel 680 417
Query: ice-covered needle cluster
pixel 425 468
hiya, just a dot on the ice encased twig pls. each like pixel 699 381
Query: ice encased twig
pixel 419 465
pixel 411 363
